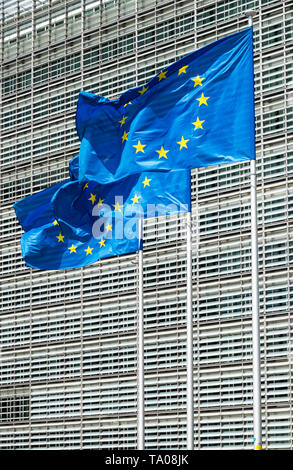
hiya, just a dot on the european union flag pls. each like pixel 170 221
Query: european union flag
pixel 197 112
pixel 80 223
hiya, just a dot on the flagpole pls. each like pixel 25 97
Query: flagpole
pixel 140 345
pixel 257 423
pixel 189 337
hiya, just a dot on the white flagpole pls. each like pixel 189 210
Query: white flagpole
pixel 140 344
pixel 257 424
pixel 189 337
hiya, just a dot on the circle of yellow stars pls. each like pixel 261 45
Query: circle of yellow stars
pixel 197 81
pixel 117 207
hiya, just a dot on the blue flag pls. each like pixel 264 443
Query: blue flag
pixel 88 221
pixel 196 112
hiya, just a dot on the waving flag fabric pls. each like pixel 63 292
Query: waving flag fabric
pixel 74 168
pixel 82 223
pixel 36 210
pixel 196 112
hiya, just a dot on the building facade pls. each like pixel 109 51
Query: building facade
pixel 68 339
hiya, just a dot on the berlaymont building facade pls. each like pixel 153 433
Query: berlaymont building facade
pixel 68 339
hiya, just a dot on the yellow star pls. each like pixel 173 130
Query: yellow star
pixel 102 243
pixel 100 202
pixel 89 250
pixel 109 228
pixel 197 80
pixel 139 147
pixel 92 198
pixel 122 121
pixel 183 143
pixel 135 199
pixel 117 207
pixel 85 186
pixel 55 222
pixel 146 182
pixel 60 238
pixel 198 124
pixel 129 102
pixel 203 99
pixel 183 69
pixel 143 90
pixel 162 152
pixel 72 249
pixel 124 137
pixel 162 75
